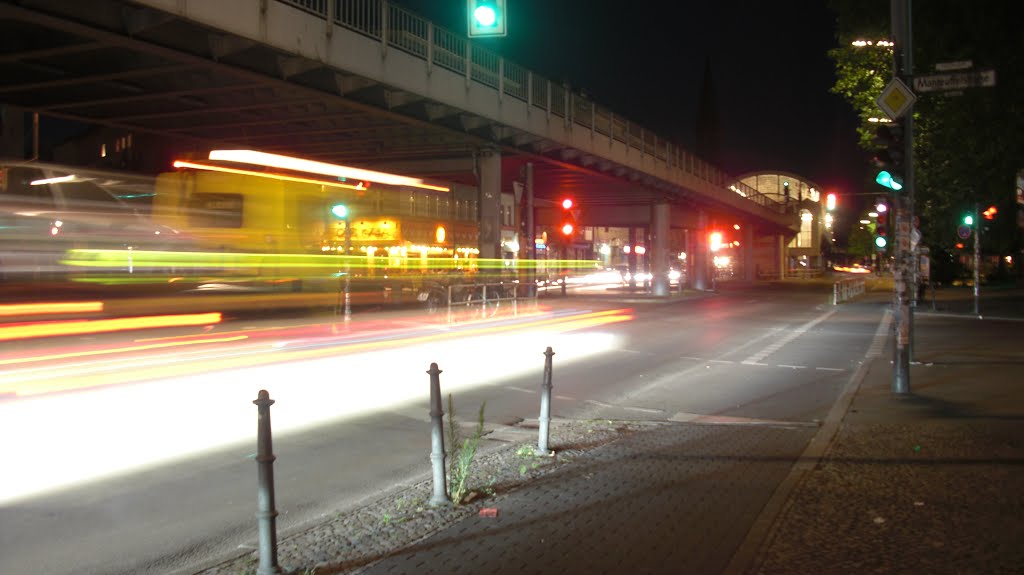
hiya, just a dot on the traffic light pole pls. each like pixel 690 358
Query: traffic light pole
pixel 905 274
pixel 977 260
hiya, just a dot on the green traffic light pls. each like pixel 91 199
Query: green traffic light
pixel 339 211
pixel 485 16
pixel 887 180
pixel 969 220
pixel 881 242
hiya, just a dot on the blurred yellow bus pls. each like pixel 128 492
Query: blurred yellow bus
pixel 301 231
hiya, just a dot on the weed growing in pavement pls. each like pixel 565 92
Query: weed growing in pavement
pixel 461 452
pixel 527 452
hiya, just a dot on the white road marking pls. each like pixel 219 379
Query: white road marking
pixel 777 345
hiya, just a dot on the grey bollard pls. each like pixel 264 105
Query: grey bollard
pixel 545 405
pixel 440 496
pixel 266 514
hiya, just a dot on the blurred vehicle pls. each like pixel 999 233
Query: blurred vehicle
pixel 48 211
pixel 675 275
pixel 854 269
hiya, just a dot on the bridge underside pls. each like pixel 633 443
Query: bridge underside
pixel 126 66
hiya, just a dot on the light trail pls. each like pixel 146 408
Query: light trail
pixel 80 327
pixel 58 307
pixel 79 376
pixel 115 429
pixel 95 352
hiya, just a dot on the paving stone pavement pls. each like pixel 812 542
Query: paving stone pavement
pixel 677 499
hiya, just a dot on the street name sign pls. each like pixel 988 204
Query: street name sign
pixel 895 99
pixel 955 81
pixel 958 65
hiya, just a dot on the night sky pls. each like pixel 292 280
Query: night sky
pixel 646 60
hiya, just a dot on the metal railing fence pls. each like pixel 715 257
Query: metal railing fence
pixel 405 31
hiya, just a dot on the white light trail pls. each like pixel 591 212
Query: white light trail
pixel 62 439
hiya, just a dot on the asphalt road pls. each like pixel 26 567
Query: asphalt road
pixel 170 441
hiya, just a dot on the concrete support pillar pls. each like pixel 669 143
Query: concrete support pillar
pixel 488 165
pixel 749 273
pixel 699 260
pixel 688 276
pixel 782 256
pixel 631 258
pixel 659 249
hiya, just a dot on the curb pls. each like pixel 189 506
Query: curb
pixel 747 558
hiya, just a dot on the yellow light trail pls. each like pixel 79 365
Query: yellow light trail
pixel 79 327
pixel 39 308
pixel 195 166
pixel 55 382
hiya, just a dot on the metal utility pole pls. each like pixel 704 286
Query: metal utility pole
pixel 531 235
pixel 904 275
pixel 977 260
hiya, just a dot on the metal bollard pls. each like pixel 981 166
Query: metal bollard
pixel 266 514
pixel 545 405
pixel 440 496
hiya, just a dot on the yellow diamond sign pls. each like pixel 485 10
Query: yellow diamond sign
pixel 895 99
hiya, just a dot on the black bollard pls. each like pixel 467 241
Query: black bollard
pixel 440 496
pixel 266 514
pixel 545 405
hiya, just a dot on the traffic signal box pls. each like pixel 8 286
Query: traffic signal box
pixel 882 227
pixel 486 18
pixel 567 222
pixel 889 157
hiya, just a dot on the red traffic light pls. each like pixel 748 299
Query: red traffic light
pixel 567 204
pixel 567 229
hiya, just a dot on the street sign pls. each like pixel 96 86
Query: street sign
pixel 958 65
pixel 955 81
pixel 963 232
pixel 895 99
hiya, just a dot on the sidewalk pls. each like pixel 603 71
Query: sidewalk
pixel 928 482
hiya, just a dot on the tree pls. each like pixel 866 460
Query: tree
pixel 967 147
pixel 860 241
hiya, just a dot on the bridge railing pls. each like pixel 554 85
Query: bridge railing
pixel 405 31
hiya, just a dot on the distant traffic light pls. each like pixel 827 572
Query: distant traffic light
pixel 339 211
pixel 715 241
pixel 968 220
pixel 889 156
pixel 568 225
pixel 486 17
pixel 882 227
